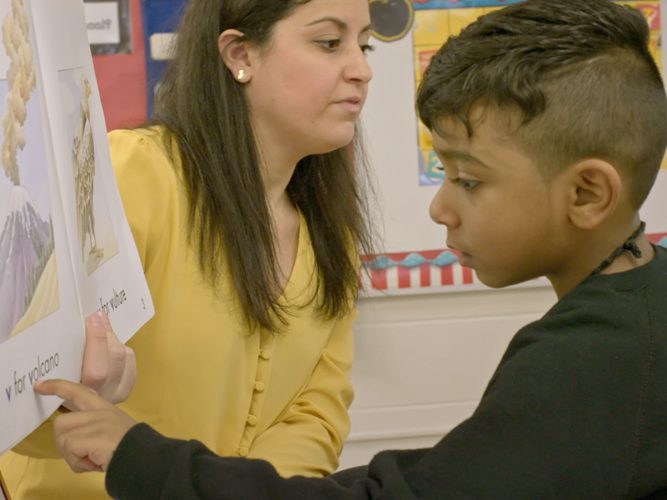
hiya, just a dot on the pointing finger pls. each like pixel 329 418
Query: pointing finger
pixel 77 396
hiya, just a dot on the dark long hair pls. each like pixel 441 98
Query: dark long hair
pixel 204 109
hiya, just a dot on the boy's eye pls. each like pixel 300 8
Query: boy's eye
pixel 330 44
pixel 466 184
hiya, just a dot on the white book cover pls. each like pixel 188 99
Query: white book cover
pixel 66 249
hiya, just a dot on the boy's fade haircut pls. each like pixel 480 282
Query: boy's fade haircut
pixel 578 74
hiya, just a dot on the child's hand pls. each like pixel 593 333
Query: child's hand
pixel 88 436
pixel 109 367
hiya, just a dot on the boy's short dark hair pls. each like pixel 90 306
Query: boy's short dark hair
pixel 578 74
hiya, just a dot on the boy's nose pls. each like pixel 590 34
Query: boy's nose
pixel 441 210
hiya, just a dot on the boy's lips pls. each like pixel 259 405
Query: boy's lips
pixel 463 256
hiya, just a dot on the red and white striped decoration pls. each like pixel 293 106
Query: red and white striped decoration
pixel 428 276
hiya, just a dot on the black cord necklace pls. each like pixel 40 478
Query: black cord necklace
pixel 628 246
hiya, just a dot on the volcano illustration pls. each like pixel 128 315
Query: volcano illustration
pixel 26 247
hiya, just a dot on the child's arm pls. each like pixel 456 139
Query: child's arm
pixel 143 464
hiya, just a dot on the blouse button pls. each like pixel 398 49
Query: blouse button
pixel 264 354
pixel 243 451
pixel 252 420
pixel 259 386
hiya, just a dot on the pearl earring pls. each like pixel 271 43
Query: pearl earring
pixel 240 76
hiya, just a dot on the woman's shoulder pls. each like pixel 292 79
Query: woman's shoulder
pixel 143 159
pixel 149 140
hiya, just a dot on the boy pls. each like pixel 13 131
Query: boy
pixel 551 120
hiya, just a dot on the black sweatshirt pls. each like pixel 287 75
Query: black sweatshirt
pixel 577 408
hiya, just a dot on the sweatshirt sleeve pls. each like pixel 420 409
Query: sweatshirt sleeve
pixel 147 465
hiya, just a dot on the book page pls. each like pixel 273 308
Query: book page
pixel 106 266
pixel 41 326
pixel 66 249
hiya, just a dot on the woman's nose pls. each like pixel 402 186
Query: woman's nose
pixel 358 68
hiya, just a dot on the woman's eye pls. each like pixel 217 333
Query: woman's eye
pixel 366 48
pixel 330 44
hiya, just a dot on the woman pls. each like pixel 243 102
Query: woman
pixel 248 220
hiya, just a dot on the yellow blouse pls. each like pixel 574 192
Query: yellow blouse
pixel 282 397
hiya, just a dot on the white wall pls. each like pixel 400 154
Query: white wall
pixel 423 361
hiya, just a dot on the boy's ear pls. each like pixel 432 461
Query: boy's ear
pixel 593 192
pixel 235 53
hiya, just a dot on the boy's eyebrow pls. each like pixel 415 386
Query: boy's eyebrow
pixel 455 154
pixel 342 25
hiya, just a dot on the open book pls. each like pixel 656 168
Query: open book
pixel 66 249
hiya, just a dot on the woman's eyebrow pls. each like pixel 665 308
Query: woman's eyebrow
pixel 342 25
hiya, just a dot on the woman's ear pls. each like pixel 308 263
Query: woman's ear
pixel 234 52
pixel 594 190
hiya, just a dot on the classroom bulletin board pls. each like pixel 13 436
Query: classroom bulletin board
pixel 120 63
pixel 415 259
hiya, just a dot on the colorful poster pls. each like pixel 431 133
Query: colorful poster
pixel 435 21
